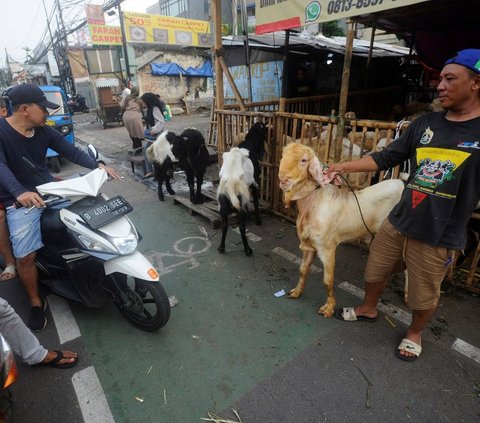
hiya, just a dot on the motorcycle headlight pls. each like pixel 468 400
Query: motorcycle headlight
pixel 65 130
pixel 95 245
pixel 125 245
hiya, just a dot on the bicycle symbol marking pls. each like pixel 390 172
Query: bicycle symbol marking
pixel 185 249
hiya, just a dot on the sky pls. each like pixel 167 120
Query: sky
pixel 24 21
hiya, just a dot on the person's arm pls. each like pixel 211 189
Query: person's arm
pixel 159 121
pixel 77 156
pixel 365 164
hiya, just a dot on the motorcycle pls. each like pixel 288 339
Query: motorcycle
pixel 8 376
pixel 76 103
pixel 90 251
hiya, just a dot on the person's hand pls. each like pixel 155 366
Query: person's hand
pixel 153 133
pixel 31 199
pixel 334 168
pixel 111 171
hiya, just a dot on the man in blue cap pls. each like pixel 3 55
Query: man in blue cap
pixel 24 134
pixel 429 223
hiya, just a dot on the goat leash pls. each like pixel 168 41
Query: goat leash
pixel 358 204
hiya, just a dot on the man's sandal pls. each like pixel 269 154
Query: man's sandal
pixel 347 314
pixel 55 362
pixel 10 272
pixel 410 347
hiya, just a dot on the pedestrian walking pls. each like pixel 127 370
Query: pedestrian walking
pixel 429 223
pixel 133 118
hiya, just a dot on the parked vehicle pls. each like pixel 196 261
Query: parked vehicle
pixel 76 103
pixel 60 119
pixel 8 376
pixel 90 252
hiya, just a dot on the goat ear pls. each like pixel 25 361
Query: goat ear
pixel 316 171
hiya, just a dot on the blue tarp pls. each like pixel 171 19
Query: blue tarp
pixel 172 69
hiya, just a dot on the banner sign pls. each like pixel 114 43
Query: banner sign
pixel 266 81
pixel 277 15
pixel 95 14
pixel 158 29
pixel 103 35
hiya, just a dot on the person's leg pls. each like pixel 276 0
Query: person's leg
pixel 26 240
pixel 385 252
pixel 24 343
pixel 427 267
pixel 5 245
pixel 18 336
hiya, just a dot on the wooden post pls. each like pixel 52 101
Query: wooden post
pixel 366 81
pixel 282 102
pixel 342 107
pixel 184 90
pixel 216 13
pixel 230 80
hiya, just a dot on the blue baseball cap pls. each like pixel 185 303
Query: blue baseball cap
pixel 470 58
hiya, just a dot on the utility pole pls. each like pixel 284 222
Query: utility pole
pixel 54 49
pixel 124 44
pixel 70 86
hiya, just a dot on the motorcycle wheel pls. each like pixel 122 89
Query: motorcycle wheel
pixel 143 303
pixel 6 407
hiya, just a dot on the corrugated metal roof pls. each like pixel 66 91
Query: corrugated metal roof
pixel 107 82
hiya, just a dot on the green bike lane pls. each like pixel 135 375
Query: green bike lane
pixel 228 332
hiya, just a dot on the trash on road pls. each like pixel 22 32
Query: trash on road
pixel 280 293
pixel 173 301
pixel 216 419
pixel 139 399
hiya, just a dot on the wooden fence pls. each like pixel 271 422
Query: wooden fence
pixel 318 132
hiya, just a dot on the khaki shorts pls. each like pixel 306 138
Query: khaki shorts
pixel 426 265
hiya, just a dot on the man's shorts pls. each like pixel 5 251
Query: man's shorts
pixel 24 230
pixel 426 265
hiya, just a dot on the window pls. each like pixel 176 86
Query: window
pixel 173 7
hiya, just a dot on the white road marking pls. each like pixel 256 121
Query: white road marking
pixel 464 348
pixel 66 324
pixel 250 235
pixel 293 258
pixel 92 400
pixel 467 350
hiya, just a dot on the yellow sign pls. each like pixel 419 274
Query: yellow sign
pixel 105 35
pixel 158 29
pixel 277 15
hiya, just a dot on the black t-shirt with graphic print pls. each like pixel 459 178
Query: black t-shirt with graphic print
pixel 444 186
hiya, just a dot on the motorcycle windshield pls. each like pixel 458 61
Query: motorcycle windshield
pixel 76 188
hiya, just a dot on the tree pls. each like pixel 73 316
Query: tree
pixel 332 29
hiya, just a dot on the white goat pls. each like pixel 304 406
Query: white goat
pixel 236 181
pixel 328 215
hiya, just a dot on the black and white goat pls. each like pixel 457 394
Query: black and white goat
pixel 192 154
pixel 239 180
pixel 161 155
pixel 233 194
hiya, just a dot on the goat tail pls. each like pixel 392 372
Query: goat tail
pixel 236 191
pixel 150 153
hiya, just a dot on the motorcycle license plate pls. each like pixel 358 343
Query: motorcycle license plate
pixel 103 213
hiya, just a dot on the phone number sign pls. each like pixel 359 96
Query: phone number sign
pixel 294 13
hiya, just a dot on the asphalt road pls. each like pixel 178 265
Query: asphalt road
pixel 232 344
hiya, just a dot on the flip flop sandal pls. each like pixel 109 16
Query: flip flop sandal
pixel 409 346
pixel 10 272
pixel 55 362
pixel 347 314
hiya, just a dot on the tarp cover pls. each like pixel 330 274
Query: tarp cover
pixel 173 69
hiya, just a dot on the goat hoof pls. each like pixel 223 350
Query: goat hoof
pixel 197 201
pixel 249 252
pixel 294 293
pixel 326 311
pixel 221 250
pixel 161 198
pixel 171 191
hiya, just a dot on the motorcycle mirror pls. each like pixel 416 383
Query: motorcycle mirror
pixel 92 151
pixel 33 168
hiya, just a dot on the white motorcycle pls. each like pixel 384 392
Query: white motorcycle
pixel 90 251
